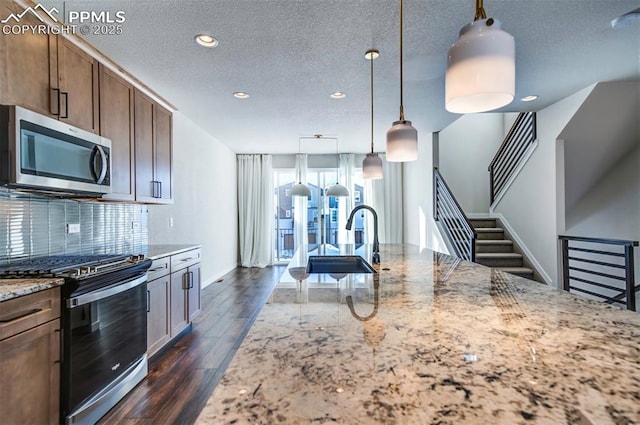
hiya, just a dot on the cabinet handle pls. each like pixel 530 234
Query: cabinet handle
pixel 58 96
pixel 185 278
pixel 156 269
pixel 148 301
pixel 61 345
pixel 19 315
pixel 66 104
pixel 190 280
pixel 160 186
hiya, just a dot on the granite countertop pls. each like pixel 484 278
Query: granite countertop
pixel 158 251
pixel 431 340
pixel 14 288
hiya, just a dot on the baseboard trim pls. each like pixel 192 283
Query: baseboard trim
pixel 513 177
pixel 530 257
pixel 219 275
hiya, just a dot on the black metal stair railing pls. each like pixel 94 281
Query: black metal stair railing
pixel 512 150
pixel 609 261
pixel 455 223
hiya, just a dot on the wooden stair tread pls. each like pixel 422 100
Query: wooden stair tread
pixel 489 229
pixel 494 242
pixel 491 255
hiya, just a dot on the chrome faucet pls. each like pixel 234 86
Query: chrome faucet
pixel 376 246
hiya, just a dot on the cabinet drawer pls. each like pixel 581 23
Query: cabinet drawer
pixel 23 313
pixel 159 268
pixel 185 259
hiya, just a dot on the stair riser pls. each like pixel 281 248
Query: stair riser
pixel 482 223
pixel 490 236
pixel 500 262
pixel 494 248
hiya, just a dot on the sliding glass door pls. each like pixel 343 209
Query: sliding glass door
pixel 322 215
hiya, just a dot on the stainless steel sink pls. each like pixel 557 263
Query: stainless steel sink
pixel 338 264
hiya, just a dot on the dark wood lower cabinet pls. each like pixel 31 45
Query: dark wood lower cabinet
pixel 30 361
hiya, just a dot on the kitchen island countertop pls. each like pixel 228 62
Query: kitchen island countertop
pixel 430 340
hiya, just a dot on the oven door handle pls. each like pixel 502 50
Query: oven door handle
pixel 107 292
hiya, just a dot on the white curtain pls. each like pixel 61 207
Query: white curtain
pixel 385 196
pixel 345 204
pixel 300 237
pixel 255 210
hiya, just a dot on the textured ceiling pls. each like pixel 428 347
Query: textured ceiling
pixel 289 55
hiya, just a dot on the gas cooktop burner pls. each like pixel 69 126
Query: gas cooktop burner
pixel 74 266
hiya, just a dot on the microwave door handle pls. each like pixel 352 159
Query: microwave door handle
pixel 97 150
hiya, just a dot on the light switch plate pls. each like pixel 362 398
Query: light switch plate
pixel 73 228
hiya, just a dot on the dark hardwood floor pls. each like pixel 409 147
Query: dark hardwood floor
pixel 182 378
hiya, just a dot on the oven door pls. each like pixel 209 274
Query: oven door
pixel 105 337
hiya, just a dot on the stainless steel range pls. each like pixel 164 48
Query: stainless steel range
pixel 104 321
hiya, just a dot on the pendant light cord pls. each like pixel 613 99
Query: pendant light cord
pixel 401 68
pixel 480 13
pixel 371 59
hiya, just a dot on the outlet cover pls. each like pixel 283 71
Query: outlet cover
pixel 73 228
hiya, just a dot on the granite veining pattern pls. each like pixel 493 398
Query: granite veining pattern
pixel 431 341
pixel 14 288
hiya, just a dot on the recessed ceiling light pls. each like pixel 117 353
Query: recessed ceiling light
pixel 529 98
pixel 337 95
pixel 240 95
pixel 206 40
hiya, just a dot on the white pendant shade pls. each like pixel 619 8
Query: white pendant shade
pixel 402 142
pixel 300 189
pixel 372 166
pixel 481 70
pixel 338 190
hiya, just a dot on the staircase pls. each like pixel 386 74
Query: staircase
pixel 496 251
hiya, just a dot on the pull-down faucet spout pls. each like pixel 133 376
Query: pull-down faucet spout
pixel 376 246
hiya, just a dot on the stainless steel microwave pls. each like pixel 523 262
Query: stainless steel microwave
pixel 40 153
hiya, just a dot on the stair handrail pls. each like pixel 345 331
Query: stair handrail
pixel 462 239
pixel 625 296
pixel 521 135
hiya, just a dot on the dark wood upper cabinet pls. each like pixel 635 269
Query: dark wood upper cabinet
pixel 28 68
pixel 116 124
pixel 153 151
pixel 162 121
pixel 78 84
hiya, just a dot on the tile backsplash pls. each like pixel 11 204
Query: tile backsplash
pixel 35 226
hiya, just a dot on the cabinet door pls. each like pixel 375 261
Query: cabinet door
pixel 193 298
pixel 78 80
pixel 179 319
pixel 162 153
pixel 30 376
pixel 116 124
pixel 143 147
pixel 29 66
pixel 157 314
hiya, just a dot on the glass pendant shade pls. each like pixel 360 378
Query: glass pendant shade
pixel 300 189
pixel 481 70
pixel 402 142
pixel 372 166
pixel 337 190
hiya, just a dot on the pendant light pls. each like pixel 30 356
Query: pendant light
pixel 300 189
pixel 481 67
pixel 337 189
pixel 372 163
pixel 402 138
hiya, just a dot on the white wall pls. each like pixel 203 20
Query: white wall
pixel 467 147
pixel 419 227
pixel 530 205
pixel 205 208
pixel 611 209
